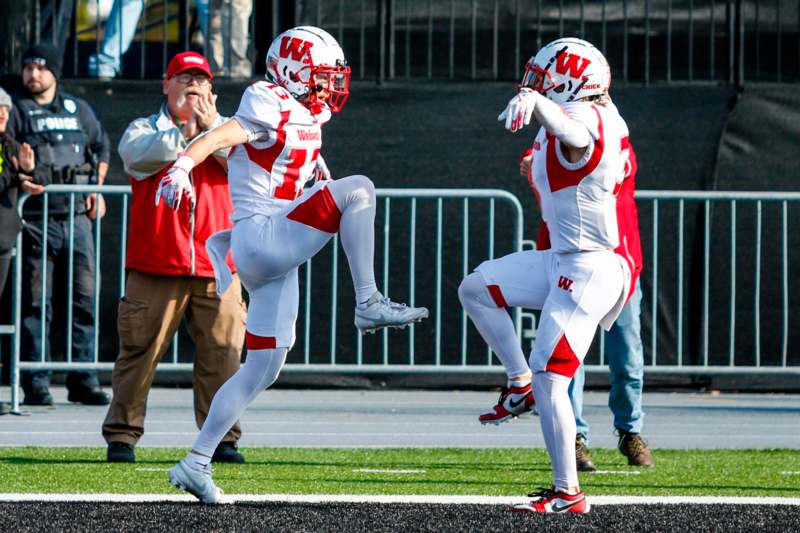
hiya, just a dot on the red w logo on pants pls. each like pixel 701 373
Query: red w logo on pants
pixel 565 283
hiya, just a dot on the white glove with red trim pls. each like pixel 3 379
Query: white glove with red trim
pixel 519 110
pixel 322 172
pixel 177 183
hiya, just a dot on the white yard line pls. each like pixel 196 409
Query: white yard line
pixel 380 498
pixel 618 472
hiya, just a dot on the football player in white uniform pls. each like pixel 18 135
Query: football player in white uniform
pixel 578 162
pixel 275 138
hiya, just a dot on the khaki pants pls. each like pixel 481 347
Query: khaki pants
pixel 149 316
pixel 229 37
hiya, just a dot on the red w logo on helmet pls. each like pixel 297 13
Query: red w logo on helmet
pixel 572 63
pixel 295 47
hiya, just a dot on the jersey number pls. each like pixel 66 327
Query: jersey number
pixel 297 158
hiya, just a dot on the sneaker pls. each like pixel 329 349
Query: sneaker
pixel 227 452
pixel 553 501
pixel 582 456
pixel 512 403
pixel 379 312
pixel 632 446
pixel 120 452
pixel 196 481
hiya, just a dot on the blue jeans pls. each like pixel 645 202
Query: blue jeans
pixel 625 356
pixel 120 28
pixel 32 343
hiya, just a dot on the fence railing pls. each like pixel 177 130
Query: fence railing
pixel 737 237
pixel 705 258
pixel 442 209
pixel 646 41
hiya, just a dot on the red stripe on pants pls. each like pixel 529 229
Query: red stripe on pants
pixel 257 342
pixel 497 295
pixel 563 360
pixel 319 211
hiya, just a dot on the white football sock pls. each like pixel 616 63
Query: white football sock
pixel 494 324
pixel 259 371
pixel 355 197
pixel 196 460
pixel 558 425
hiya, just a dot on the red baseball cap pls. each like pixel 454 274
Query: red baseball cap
pixel 188 61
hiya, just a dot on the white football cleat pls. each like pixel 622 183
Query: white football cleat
pixel 379 312
pixel 195 481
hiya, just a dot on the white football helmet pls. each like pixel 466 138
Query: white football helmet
pixel 309 63
pixel 567 70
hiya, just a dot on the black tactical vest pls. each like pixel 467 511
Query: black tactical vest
pixel 58 136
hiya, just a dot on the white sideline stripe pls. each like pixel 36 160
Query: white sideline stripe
pixel 618 472
pixel 790 473
pixel 150 469
pixel 387 471
pixel 381 498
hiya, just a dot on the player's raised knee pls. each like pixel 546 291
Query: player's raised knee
pixel 470 288
pixel 364 183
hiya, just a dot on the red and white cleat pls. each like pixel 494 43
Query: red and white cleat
pixel 552 501
pixel 512 403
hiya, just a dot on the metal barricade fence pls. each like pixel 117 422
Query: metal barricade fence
pixel 681 41
pixel 711 210
pixel 437 200
pixel 736 346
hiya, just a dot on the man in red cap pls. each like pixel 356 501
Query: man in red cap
pixel 170 276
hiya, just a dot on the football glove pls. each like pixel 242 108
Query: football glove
pixel 519 110
pixel 177 183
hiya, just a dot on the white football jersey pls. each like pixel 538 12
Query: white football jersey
pixel 578 199
pixel 284 140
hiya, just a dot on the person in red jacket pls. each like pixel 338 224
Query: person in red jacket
pixel 170 276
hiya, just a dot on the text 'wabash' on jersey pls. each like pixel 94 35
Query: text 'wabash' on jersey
pixel 284 140
pixel 578 200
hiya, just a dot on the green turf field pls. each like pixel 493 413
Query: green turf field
pixel 432 471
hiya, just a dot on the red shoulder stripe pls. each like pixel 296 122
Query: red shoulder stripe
pixel 559 177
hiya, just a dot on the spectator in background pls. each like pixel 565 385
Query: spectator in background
pixel 56 21
pixel 623 342
pixel 226 30
pixel 17 165
pixel 71 147
pixel 170 276
pixel 228 36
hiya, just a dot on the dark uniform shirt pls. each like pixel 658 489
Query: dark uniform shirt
pixel 65 135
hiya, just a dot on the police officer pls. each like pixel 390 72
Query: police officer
pixel 72 145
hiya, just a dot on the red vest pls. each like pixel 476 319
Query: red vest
pixel 169 242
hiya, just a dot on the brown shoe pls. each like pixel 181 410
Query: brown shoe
pixel 632 446
pixel 582 457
